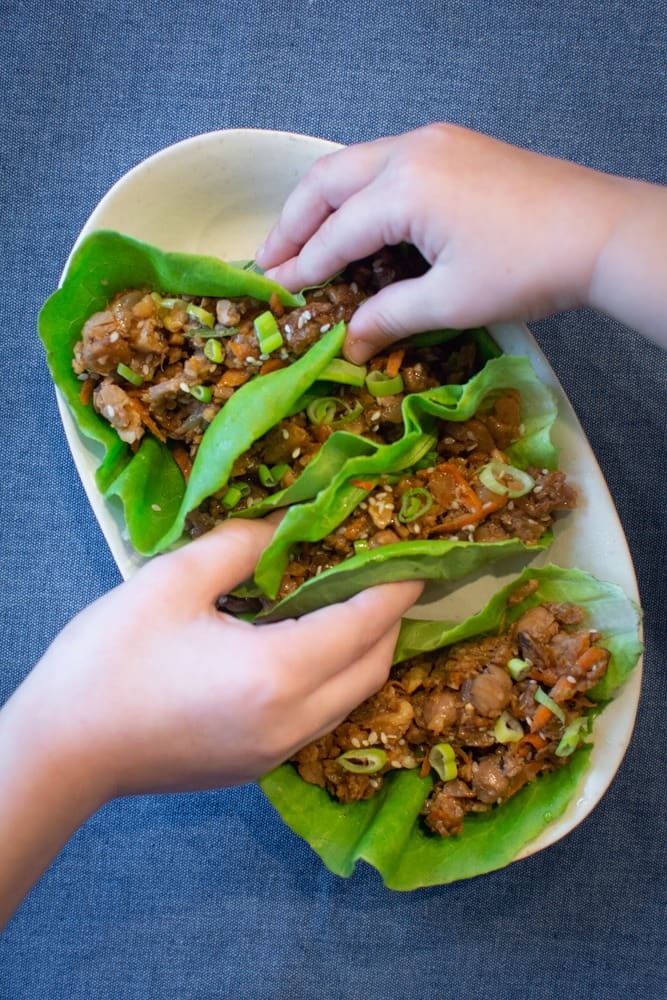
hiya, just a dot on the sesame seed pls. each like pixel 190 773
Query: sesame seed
pixel 355 742
pixel 109 412
pixel 538 489
pixel 375 416
pixel 183 387
pixel 325 328
pixel 285 433
pixel 114 337
pixel 156 507
pixel 396 763
pixel 570 679
pixel 296 452
pixel 416 528
pixel 372 736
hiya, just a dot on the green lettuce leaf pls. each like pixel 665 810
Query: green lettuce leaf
pixel 386 831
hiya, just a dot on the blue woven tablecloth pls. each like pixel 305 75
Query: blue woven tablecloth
pixel 208 896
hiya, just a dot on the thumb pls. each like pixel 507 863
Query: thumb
pixel 396 312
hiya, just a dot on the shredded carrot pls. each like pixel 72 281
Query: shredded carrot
pixel 425 768
pixel 362 484
pixel 590 657
pixel 394 362
pixel 534 740
pixel 183 461
pixel 562 689
pixel 470 518
pixel 86 391
pixel 458 521
pixel 147 419
pixel 233 377
pixel 467 495
pixel 540 719
pixel 276 306
pixel 272 365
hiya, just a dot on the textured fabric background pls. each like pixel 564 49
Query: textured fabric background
pixel 207 896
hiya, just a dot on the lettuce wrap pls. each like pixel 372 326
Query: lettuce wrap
pixel 147 480
pixel 387 831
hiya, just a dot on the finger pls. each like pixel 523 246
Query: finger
pixel 352 628
pixel 326 707
pixel 327 185
pixel 365 222
pixel 397 311
pixel 214 563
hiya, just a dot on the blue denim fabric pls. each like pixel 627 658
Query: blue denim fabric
pixel 210 896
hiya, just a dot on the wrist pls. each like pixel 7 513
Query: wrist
pixel 47 790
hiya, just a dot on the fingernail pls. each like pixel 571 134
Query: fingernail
pixel 260 253
pixel 355 351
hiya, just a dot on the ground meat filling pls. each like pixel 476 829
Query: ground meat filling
pixel 446 499
pixel 495 726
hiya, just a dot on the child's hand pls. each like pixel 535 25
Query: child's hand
pixel 157 690
pixel 509 234
pixel 152 689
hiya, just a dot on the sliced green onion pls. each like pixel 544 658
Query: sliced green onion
pixel 213 350
pixel 507 729
pixel 414 503
pixel 201 392
pixel 571 737
pixel 343 372
pixel 505 480
pixel 379 384
pixel 350 412
pixel 543 698
pixel 361 545
pixel 443 761
pixel 268 332
pixel 128 374
pixel 362 761
pixel 218 333
pixel 202 315
pixel 235 493
pixel 519 668
pixel 271 477
pixel 322 410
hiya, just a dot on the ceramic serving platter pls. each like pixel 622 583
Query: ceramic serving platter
pixel 218 194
